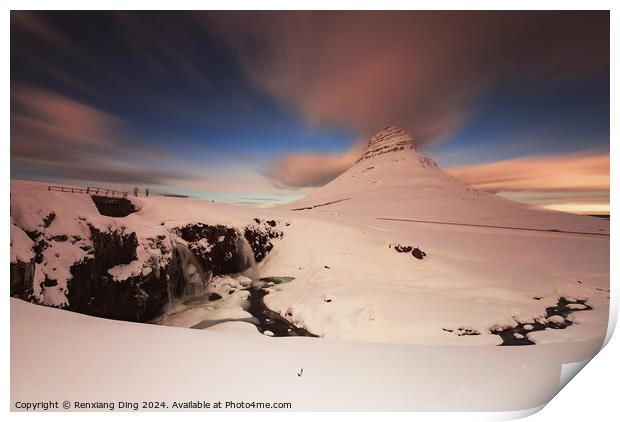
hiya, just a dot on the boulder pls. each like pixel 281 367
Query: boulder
pixel 113 206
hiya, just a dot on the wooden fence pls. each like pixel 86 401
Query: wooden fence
pixel 90 190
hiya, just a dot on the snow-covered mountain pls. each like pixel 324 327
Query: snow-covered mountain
pixel 394 250
pixel 367 258
pixel 393 179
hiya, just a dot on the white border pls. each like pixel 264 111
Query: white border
pixel 591 395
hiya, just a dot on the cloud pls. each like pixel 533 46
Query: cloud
pixel 570 182
pixel 33 23
pixel 301 170
pixel 423 71
pixel 569 172
pixel 358 71
pixel 57 137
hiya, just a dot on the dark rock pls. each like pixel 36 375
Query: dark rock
pixel 92 291
pixel 277 280
pixel 113 247
pixel 22 275
pixel 518 335
pixel 418 253
pixel 39 245
pixel 48 220
pixel 260 238
pixel 50 283
pixel 221 257
pixel 214 296
pixel 463 331
pixel 113 206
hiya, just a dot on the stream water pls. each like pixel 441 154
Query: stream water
pixel 267 321
pixel 222 299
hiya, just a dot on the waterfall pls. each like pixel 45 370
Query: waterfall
pixel 245 258
pixel 196 279
pixel 193 273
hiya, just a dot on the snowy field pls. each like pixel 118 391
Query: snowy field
pixel 399 268
pixel 56 355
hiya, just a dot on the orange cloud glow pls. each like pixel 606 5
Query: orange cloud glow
pixel 564 172
pixel 570 182
pixel 299 170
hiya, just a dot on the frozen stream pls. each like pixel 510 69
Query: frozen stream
pixel 233 300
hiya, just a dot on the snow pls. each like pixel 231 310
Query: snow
pixel 406 325
pixel 63 221
pixel 21 245
pixel 478 273
pixel 96 359
pixel 124 271
pixel 406 184
pixel 556 319
pixel 200 311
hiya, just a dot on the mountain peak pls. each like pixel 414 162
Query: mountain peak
pixel 389 139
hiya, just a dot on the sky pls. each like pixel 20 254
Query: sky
pixel 260 108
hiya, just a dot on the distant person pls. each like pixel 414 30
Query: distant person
pixel 146 191
pixel 135 191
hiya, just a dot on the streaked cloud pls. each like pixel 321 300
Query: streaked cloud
pixel 570 172
pixel 576 182
pixel 164 98
pixel 423 71
pixel 302 170
pixel 55 136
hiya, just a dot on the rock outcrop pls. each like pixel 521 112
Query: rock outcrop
pixel 215 246
pixel 389 139
pixel 95 289
pixel 114 206
pixel 260 235
pixel 112 271
pixel 22 262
